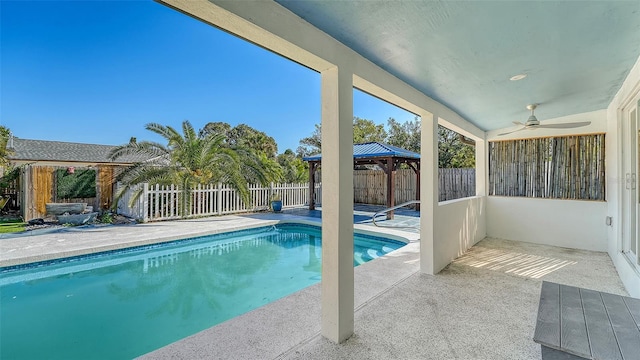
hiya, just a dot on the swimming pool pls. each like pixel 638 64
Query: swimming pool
pixel 122 304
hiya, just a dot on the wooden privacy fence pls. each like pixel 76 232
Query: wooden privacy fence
pixel 38 183
pixel 567 167
pixel 165 202
pixel 38 186
pixel 369 186
pixel 456 183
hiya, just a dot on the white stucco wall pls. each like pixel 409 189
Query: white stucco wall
pixel 566 223
pixel 576 224
pixel 460 224
pixel 615 181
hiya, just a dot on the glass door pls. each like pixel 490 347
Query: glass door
pixel 631 195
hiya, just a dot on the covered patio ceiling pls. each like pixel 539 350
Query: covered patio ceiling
pixel 463 53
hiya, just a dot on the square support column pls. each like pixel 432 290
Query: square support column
pixel 428 190
pixel 337 205
pixel 482 169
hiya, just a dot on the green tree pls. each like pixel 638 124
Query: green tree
pixel 404 135
pixel 243 136
pixel 5 152
pixel 217 127
pixel 188 159
pixel 311 145
pixel 246 136
pixel 294 169
pixel 453 152
pixel 364 130
pixel 9 173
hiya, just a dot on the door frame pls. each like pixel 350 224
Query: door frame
pixel 630 153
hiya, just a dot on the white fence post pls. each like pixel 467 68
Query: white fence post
pixel 173 208
pixel 219 199
pixel 145 202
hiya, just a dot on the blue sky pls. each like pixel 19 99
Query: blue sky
pixel 98 71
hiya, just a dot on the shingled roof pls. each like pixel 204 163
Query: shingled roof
pixel 44 150
pixel 372 150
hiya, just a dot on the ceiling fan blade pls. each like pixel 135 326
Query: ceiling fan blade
pixel 511 132
pixel 565 125
pixel 518 123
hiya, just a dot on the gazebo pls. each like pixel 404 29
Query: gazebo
pixel 387 157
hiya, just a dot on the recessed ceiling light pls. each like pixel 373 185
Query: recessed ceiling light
pixel 518 77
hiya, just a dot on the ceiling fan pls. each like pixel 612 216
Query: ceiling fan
pixel 533 123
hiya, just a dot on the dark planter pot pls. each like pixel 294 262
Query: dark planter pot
pixel 276 205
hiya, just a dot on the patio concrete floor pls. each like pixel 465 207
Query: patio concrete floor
pixel 482 306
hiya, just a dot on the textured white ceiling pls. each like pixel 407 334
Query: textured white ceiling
pixel 462 53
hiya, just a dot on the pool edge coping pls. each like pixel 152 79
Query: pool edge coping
pixel 33 259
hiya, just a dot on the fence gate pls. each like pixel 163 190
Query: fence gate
pixel 39 180
pixel 105 186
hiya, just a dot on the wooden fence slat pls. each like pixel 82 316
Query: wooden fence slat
pixel 370 185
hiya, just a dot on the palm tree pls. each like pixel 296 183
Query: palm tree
pixel 5 151
pixel 189 159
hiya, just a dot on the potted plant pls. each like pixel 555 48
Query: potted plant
pixel 276 202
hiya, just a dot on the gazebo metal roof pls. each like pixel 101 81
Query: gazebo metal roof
pixel 373 150
pixel 387 157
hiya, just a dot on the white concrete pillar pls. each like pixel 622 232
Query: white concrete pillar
pixel 428 190
pixel 482 167
pixel 337 204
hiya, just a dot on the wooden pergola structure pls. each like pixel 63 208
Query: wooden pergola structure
pixel 387 157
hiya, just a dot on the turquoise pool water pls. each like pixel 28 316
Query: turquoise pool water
pixel 123 304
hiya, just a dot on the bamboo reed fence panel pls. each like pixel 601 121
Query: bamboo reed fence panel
pixel 567 167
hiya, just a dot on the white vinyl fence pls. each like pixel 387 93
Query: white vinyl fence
pixel 164 202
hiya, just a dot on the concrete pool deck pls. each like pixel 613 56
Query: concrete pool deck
pixel 482 306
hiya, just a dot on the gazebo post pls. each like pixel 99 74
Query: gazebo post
pixel 417 185
pixel 312 185
pixel 415 166
pixel 391 186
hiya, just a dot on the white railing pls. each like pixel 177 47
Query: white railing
pixel 165 202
